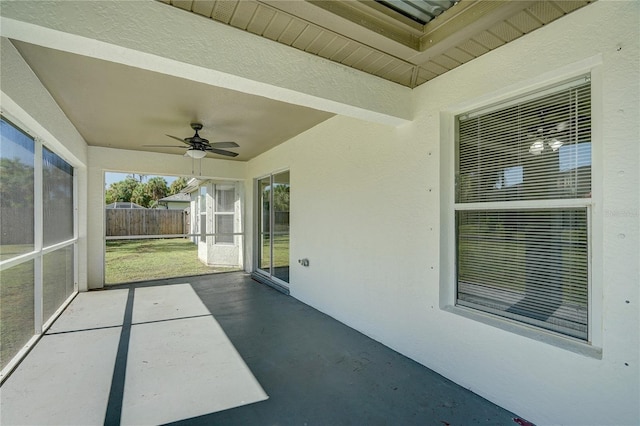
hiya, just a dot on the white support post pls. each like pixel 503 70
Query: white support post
pixel 38 237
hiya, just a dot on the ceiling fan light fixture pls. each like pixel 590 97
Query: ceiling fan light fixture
pixel 537 147
pixel 196 153
pixel 555 144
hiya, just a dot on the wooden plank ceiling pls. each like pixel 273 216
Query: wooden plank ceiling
pixel 370 37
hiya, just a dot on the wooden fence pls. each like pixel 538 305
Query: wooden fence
pixel 124 222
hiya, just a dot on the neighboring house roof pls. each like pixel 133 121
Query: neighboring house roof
pixel 124 205
pixel 179 197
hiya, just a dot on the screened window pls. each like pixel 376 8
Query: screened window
pixel 57 192
pixel 17 164
pixel 523 194
pixel 37 269
pixel 224 214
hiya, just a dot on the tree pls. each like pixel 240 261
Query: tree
pixel 122 190
pixel 141 196
pixel 139 178
pixel 16 183
pixel 178 185
pixel 156 188
pixel 281 198
pixel 145 194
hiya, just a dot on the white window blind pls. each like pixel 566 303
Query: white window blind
pixel 528 264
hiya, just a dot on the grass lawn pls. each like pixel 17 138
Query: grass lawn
pixel 139 260
pixel 17 294
pixel 8 251
pixel 280 251
pixel 16 309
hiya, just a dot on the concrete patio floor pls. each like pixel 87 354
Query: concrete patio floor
pixel 223 349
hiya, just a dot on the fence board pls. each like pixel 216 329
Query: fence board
pixel 124 222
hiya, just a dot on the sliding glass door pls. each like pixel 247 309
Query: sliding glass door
pixel 273 226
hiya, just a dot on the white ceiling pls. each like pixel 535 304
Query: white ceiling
pixel 119 106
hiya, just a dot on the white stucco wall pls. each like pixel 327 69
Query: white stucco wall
pixel 365 210
pixel 26 102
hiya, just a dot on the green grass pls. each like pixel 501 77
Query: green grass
pixel 280 251
pixel 8 251
pixel 17 294
pixel 139 260
pixel 16 309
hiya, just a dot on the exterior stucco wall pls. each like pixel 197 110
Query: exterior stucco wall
pixel 366 212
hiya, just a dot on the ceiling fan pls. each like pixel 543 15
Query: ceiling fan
pixel 198 146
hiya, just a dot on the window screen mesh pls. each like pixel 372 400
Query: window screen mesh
pixel 225 199
pixel 17 309
pixel 57 198
pixel 17 162
pixel 224 228
pixel 57 279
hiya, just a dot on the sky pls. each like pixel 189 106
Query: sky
pixel 111 177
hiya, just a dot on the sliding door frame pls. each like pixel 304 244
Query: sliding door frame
pixel 260 274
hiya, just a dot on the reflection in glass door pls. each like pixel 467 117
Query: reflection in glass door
pixel 273 226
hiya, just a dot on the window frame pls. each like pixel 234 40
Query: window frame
pixel 448 279
pixel 201 224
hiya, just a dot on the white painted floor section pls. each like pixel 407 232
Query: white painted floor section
pixel 180 364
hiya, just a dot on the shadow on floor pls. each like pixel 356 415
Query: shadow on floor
pixel 317 371
pixel 169 350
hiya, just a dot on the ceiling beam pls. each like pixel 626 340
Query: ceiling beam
pixel 340 19
pixel 396 35
pixel 462 22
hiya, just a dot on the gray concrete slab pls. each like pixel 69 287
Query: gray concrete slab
pixel 201 345
pixel 318 371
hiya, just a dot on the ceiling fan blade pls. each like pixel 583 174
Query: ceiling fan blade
pixel 164 146
pixel 224 145
pixel 178 139
pixel 222 152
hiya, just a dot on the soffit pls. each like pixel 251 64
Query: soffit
pixel 366 35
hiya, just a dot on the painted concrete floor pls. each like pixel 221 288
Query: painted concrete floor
pixel 223 350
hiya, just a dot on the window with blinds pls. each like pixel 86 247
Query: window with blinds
pixel 523 193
